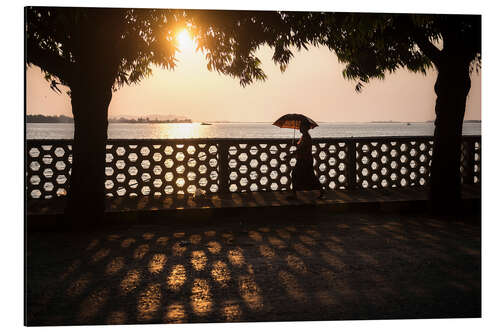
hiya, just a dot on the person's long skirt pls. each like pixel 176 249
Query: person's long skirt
pixel 303 177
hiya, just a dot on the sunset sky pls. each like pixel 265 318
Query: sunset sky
pixel 312 84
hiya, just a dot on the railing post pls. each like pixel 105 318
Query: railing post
pixel 468 161
pixel 351 164
pixel 223 163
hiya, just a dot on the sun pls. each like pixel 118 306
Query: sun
pixel 184 40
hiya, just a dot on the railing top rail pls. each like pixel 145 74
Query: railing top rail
pixel 249 140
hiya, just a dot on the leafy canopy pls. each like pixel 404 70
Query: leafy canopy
pixel 132 40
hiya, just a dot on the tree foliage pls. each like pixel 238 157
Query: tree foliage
pixel 373 45
pixel 57 39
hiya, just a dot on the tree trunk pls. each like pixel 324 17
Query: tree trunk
pixel 452 87
pixel 90 98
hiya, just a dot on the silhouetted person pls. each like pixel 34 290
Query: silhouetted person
pixel 303 177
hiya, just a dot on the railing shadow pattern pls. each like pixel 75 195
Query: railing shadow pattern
pixel 182 166
pixel 395 267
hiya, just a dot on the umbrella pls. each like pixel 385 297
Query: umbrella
pixel 293 120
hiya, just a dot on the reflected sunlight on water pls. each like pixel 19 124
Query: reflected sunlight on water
pixel 240 130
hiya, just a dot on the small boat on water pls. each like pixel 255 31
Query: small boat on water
pixel 204 123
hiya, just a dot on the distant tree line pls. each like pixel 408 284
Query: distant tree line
pixel 40 118
pixel 147 120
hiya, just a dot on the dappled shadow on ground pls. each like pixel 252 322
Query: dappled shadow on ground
pixel 334 266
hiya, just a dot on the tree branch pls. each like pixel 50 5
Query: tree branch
pixel 47 61
pixel 429 49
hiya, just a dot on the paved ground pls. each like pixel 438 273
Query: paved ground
pixel 327 266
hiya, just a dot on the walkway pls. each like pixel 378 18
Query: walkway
pixel 297 266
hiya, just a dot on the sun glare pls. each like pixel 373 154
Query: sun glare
pixel 184 40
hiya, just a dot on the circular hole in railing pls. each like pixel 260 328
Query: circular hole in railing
pixel 214 175
pixel 169 189
pixel 202 169
pixel 342 155
pixel 120 177
pixel 108 184
pixel 61 192
pixel 133 184
pixel 35 166
pixel 203 182
pixel 233 188
pixel 146 190
pixel 34 152
pixel 232 150
pixel 36 194
pixel 132 171
pixel 191 176
pixel 169 176
pixel 273 174
pixel 169 150
pixel 109 171
pixel 48 173
pixel 254 163
pixel 180 182
pixel 35 180
pixel 48 186
pixel 61 179
pixel 157 157
pixel 243 169
pixel 341 166
pixel 59 152
pixel 157 170
pixel 145 177
pixel 284 180
pixel 191 189
pixel 144 151
pixel 243 181
pixel 253 187
pixel 180 156
pixel 157 183
pixel 120 164
pixel 120 151
pixel 180 169
pixel 364 184
pixel 213 162
pixel 145 164
pixel 332 173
